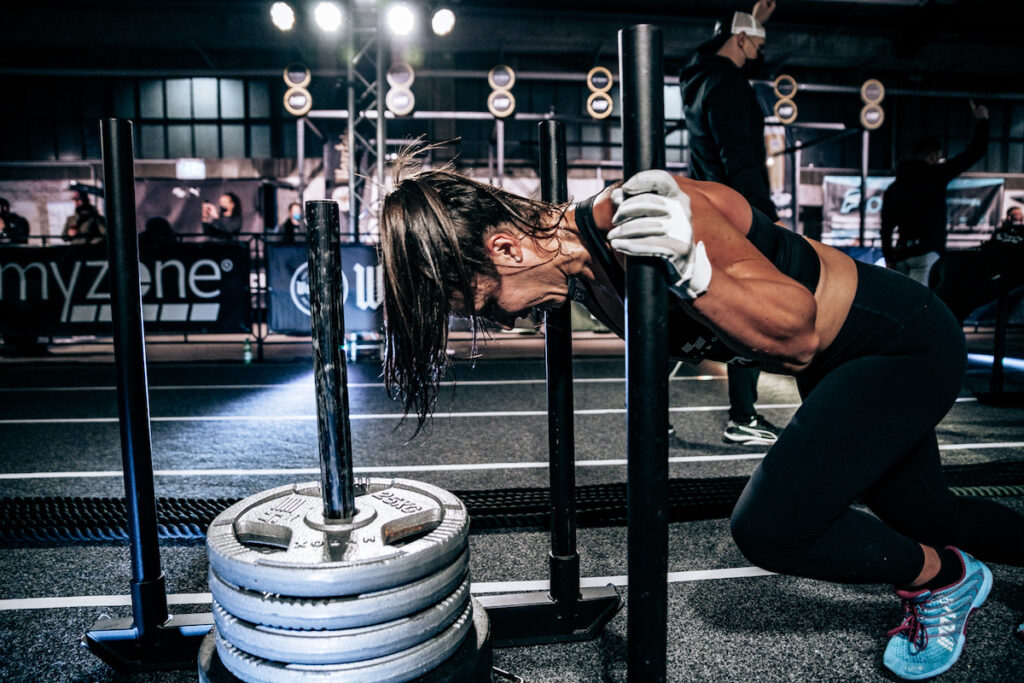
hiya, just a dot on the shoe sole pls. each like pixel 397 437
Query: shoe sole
pixel 961 639
pixel 748 441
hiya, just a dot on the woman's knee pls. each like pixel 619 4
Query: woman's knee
pixel 759 536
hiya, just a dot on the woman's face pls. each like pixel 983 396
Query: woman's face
pixel 508 299
pixel 529 277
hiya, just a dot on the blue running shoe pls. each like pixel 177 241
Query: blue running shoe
pixel 931 636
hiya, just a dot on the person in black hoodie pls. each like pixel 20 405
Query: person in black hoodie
pixel 915 204
pixel 726 126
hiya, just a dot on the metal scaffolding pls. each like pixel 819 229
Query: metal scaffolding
pixel 365 138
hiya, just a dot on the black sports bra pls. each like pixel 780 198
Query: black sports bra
pixel 689 339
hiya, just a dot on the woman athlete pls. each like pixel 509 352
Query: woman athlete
pixel 877 358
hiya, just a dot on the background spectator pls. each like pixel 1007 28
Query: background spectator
pixel 158 231
pixel 86 225
pixel 13 228
pixel 291 225
pixel 726 126
pixel 915 204
pixel 224 220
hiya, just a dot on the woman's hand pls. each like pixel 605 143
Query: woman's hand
pixel 654 220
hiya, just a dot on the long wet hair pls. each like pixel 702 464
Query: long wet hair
pixel 433 228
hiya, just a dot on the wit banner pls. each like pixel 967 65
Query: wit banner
pixel 288 278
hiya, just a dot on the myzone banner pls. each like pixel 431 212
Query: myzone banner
pixel 186 288
pixel 288 278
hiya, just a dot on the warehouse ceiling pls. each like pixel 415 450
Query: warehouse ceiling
pixel 926 44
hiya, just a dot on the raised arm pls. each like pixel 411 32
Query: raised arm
pixel 975 149
pixel 763 10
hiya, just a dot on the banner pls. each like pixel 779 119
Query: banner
pixel 972 208
pixel 840 210
pixel 186 288
pixel 972 205
pixel 288 296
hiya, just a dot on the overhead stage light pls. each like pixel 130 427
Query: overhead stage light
pixel 401 19
pixel 283 16
pixel 443 22
pixel 327 16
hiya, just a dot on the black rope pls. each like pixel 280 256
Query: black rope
pixel 75 520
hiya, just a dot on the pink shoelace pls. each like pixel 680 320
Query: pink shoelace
pixel 916 633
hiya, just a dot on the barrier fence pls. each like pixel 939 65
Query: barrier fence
pixel 256 286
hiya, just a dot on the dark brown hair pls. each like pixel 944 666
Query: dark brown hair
pixel 433 228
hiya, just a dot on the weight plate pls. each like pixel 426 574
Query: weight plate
pixel 343 612
pixel 345 645
pixel 394 668
pixel 278 542
pixel 471 661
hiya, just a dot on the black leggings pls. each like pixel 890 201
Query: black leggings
pixel 866 430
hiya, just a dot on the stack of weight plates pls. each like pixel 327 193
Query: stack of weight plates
pixel 383 597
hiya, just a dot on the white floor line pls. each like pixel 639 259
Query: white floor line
pixel 476 588
pixel 357 385
pixel 454 467
pixel 385 416
pixel 359 416
pixel 463 467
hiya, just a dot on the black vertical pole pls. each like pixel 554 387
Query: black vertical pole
pixel 564 560
pixel 999 347
pixel 149 597
pixel 642 81
pixel 327 317
pixel 268 193
pixel 865 139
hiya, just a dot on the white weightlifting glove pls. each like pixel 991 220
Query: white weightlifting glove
pixel 654 219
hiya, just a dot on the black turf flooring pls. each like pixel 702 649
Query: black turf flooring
pixel 260 418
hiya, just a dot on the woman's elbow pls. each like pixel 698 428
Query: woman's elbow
pixel 798 338
pixel 805 348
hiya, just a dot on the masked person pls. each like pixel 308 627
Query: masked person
pixel 291 225
pixel 726 128
pixel 863 342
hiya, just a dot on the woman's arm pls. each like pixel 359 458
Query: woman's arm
pixel 749 300
pixel 763 312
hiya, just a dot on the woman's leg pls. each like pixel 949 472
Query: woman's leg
pixel 914 500
pixel 860 421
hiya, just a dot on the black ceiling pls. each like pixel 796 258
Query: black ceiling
pixel 926 44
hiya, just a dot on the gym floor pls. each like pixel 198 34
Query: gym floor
pixel 224 429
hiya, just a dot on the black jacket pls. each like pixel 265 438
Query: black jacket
pixel 915 203
pixel 15 229
pixel 225 227
pixel 726 126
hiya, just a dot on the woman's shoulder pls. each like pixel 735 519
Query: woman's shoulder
pixel 715 198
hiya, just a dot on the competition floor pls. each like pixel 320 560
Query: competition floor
pixel 223 429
